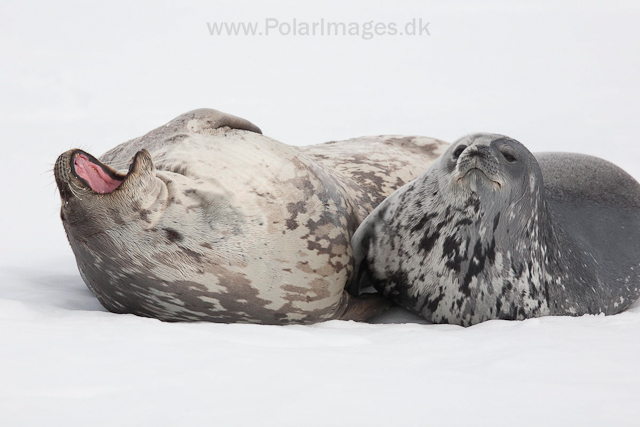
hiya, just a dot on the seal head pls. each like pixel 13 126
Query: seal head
pixel 96 198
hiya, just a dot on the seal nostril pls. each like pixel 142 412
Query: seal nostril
pixel 458 151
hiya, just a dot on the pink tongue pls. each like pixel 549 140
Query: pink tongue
pixel 93 174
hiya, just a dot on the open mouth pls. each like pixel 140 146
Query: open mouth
pixel 94 174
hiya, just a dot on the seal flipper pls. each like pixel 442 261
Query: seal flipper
pixel 360 308
pixel 360 248
pixel 360 279
pixel 215 119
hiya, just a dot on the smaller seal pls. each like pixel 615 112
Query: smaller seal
pixel 491 231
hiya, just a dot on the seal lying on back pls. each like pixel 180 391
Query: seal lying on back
pixel 215 222
pixel 491 231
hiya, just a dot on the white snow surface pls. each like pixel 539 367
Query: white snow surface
pixel 556 75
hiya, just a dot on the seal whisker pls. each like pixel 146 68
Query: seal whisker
pixel 76 189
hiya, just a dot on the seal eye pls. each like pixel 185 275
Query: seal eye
pixel 459 151
pixel 508 156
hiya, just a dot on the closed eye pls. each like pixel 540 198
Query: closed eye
pixel 509 156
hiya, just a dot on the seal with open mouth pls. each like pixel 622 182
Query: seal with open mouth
pixel 206 219
pixel 491 231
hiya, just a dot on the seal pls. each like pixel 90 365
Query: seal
pixel 213 221
pixel 491 231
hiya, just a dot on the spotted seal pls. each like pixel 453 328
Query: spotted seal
pixel 214 221
pixel 491 231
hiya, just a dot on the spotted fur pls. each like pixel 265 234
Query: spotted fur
pixel 217 222
pixel 481 235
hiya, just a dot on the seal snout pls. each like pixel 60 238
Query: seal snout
pixel 477 162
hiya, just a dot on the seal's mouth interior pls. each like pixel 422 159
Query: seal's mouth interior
pixel 94 174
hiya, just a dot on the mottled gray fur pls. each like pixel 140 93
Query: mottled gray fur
pixel 491 231
pixel 216 222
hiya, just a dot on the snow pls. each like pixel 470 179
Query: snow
pixel 555 75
